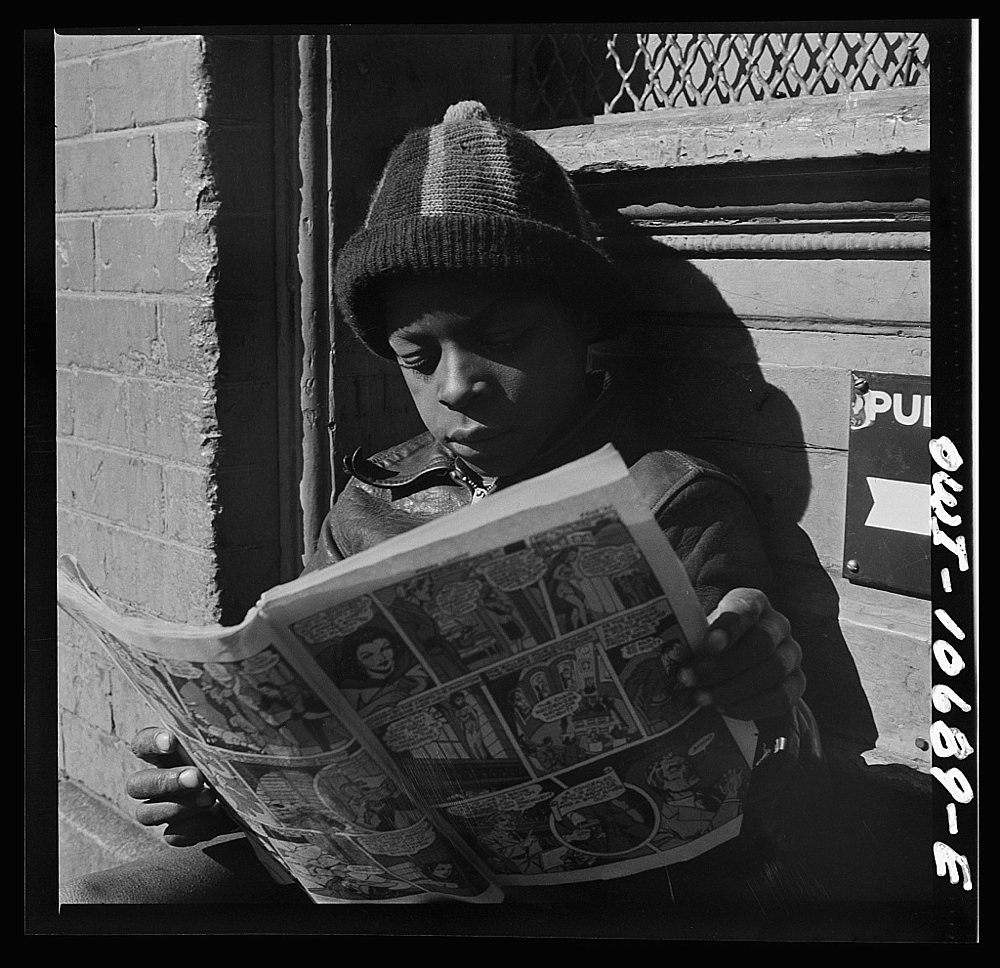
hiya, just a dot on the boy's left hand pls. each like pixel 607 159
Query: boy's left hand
pixel 748 666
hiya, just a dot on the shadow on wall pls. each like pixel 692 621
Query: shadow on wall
pixel 699 373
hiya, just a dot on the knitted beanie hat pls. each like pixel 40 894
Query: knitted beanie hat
pixel 472 195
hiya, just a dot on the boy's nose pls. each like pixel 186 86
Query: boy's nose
pixel 461 379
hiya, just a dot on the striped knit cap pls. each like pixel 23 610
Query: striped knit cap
pixel 472 195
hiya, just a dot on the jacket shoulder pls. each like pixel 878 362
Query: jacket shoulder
pixel 662 474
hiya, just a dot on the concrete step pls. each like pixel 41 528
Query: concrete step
pixel 94 836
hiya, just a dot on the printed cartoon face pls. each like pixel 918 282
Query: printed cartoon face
pixel 495 373
pixel 672 772
pixel 673 655
pixel 520 703
pixel 377 657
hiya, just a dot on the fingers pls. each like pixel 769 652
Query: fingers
pixel 174 792
pixel 197 830
pixel 179 781
pixel 741 610
pixel 153 813
pixel 157 746
pixel 758 647
pixel 773 702
pixel 178 798
pixel 748 666
pixel 779 674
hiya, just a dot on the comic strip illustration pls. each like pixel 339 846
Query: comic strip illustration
pixel 420 856
pixel 345 793
pixel 547 830
pixel 333 867
pixel 452 743
pixel 472 613
pixel 641 802
pixel 363 654
pixel 376 867
pixel 562 704
pixel 696 779
pixel 593 570
pixel 646 649
pixel 259 705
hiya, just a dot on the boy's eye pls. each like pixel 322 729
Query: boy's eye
pixel 421 362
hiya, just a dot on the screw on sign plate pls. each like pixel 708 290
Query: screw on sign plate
pixel 853 567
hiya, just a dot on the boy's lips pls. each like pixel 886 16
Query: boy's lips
pixel 473 438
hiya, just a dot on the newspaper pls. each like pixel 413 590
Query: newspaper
pixel 486 701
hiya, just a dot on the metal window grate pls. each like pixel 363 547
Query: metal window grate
pixel 574 76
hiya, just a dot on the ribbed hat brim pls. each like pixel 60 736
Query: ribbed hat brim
pixel 485 246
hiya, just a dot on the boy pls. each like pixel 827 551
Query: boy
pixel 477 271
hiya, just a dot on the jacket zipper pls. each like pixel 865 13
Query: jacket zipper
pixel 478 489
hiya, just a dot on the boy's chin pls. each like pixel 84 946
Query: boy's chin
pixel 485 464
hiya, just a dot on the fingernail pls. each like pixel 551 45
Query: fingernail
pixel 188 778
pixel 163 742
pixel 703 698
pixel 716 640
pixel 687 677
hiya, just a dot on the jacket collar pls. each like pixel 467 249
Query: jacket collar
pixel 424 461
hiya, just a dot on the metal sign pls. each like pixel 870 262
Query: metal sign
pixel 887 534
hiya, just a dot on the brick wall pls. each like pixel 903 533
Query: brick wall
pixel 167 429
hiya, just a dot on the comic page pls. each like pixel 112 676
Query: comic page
pixel 488 700
pixel 528 696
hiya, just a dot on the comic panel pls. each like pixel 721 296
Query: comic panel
pixel 399 864
pixel 646 648
pixel 421 857
pixel 363 654
pixel 334 867
pixel 523 833
pixel 258 705
pixel 452 745
pixel 471 613
pixel 696 776
pixel 562 704
pixel 358 790
pixel 635 804
pixel 594 569
pixel 603 817
pixel 349 794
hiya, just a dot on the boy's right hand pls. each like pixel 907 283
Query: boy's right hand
pixel 174 793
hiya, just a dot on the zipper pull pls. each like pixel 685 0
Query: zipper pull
pixel 479 489
pixel 779 745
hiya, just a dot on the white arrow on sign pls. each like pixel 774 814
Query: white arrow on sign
pixel 899 506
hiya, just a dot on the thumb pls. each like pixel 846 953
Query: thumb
pixel 739 611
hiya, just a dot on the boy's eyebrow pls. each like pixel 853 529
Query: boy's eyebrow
pixel 481 316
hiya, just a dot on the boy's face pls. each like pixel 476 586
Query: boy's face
pixel 495 373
